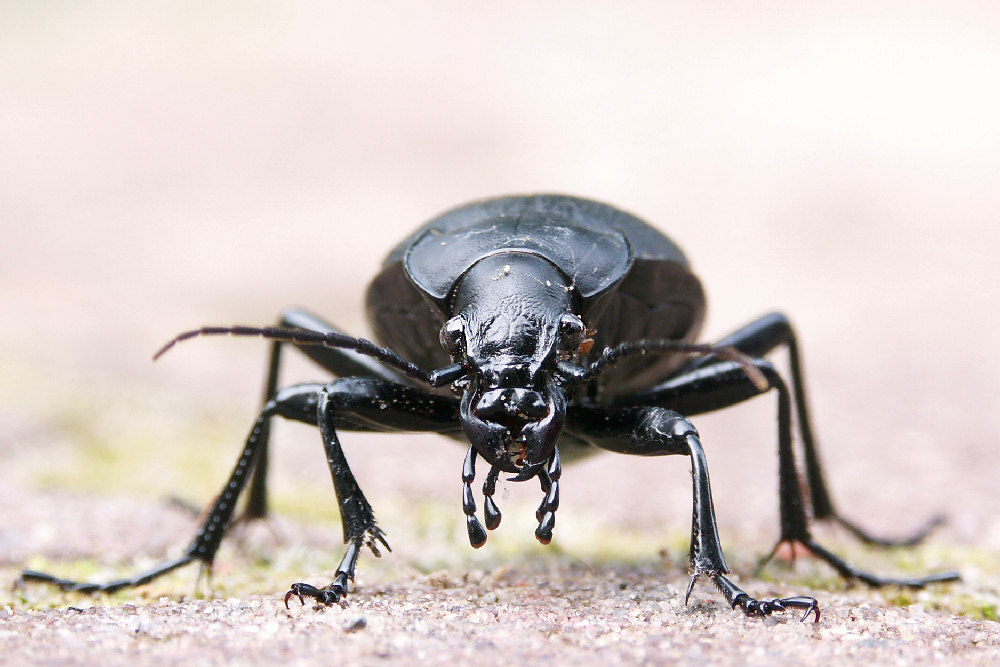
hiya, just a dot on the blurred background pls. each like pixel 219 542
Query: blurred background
pixel 168 166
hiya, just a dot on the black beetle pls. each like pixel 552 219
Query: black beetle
pixel 564 325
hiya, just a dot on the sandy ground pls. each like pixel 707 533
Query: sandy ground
pixel 190 165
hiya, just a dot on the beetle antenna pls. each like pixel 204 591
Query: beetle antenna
pixel 308 337
pixel 611 355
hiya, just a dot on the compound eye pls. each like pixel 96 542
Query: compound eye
pixel 572 333
pixel 453 337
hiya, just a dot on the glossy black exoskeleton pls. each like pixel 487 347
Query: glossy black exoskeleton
pixel 556 325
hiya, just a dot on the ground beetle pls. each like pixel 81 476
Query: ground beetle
pixel 564 325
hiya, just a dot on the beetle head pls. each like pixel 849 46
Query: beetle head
pixel 513 322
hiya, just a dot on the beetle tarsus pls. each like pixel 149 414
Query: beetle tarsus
pixel 849 572
pixel 335 593
pixel 70 585
pixel 737 597
pixel 752 607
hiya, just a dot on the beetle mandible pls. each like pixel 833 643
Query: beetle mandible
pixel 543 306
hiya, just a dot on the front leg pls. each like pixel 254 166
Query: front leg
pixel 651 431
pixel 366 404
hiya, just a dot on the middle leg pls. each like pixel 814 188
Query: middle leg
pixel 761 337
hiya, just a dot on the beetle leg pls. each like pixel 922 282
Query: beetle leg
pixel 366 404
pixel 761 337
pixel 703 551
pixel 655 431
pixel 724 383
pixel 294 403
pixel 737 597
pixel 111 586
pixel 340 362
pixel 336 591
pixel 355 511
